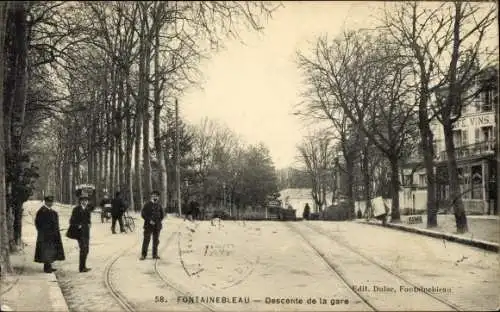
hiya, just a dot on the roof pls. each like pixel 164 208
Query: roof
pixel 295 193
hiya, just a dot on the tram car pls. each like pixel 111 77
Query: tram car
pixel 89 190
pixel 275 211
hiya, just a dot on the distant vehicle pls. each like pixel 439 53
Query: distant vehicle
pixel 275 211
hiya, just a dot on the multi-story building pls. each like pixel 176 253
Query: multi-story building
pixel 475 139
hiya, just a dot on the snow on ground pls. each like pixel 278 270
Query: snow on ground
pixel 470 273
pixel 268 266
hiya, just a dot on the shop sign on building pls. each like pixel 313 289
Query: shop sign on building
pixel 475 121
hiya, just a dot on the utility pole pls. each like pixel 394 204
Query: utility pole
pixel 177 160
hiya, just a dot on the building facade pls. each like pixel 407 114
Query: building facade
pixel 475 136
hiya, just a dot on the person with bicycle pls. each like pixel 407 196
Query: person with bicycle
pixel 118 208
pixel 153 215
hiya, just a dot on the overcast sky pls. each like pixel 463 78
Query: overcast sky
pixel 253 88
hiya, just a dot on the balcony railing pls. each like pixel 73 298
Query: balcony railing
pixel 472 150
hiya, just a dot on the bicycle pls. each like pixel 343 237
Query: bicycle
pixel 128 221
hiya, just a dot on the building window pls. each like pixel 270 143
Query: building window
pixel 464 182
pixel 422 180
pixel 476 182
pixel 487 100
pixel 407 180
pixel 460 138
pixel 487 133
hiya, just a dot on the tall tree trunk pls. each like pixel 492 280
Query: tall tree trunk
pixel 350 186
pixel 452 102
pixel 367 182
pixel 156 122
pixel 129 144
pixel 119 130
pixel 146 159
pixel 19 109
pixel 112 136
pixel 455 193
pixel 5 265
pixel 98 166
pixel 395 214
pixel 139 116
pixel 426 139
pixel 90 145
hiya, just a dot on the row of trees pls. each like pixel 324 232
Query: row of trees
pixel 221 166
pixel 377 88
pixel 89 90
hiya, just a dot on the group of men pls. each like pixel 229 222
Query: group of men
pixel 49 247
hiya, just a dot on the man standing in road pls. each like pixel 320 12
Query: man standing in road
pixel 117 209
pixel 49 247
pixel 81 219
pixel 153 214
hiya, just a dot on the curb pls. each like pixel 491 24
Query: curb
pixel 490 246
pixel 56 295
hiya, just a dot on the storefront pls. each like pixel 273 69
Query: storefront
pixel 477 181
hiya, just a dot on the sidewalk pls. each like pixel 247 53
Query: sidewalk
pixel 29 289
pixel 484 231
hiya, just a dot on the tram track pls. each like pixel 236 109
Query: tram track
pixel 121 299
pixel 345 280
pixel 178 289
pixel 383 267
pixel 114 292
pixel 333 268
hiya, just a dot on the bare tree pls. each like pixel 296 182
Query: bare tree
pixel 318 157
pixel 445 42
pixel 5 266
pixel 352 74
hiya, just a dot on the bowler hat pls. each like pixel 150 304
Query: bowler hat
pixel 83 196
pixel 48 199
pixel 155 193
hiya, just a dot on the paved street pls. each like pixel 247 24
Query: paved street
pixel 271 266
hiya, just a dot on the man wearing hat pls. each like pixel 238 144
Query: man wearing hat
pixel 118 208
pixel 80 218
pixel 49 247
pixel 153 214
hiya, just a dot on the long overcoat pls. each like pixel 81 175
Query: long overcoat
pixel 49 247
pixel 81 216
pixel 118 207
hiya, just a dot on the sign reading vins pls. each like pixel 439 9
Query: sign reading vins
pixel 474 121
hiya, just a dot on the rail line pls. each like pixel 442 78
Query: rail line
pixel 367 258
pixel 119 298
pixel 331 266
pixel 383 267
pixel 169 283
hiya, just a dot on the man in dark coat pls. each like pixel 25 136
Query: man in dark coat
pixel 153 214
pixel 49 247
pixel 195 210
pixel 307 212
pixel 117 209
pixel 81 218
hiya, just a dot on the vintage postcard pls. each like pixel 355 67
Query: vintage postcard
pixel 249 156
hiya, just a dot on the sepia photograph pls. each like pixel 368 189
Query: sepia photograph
pixel 249 156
